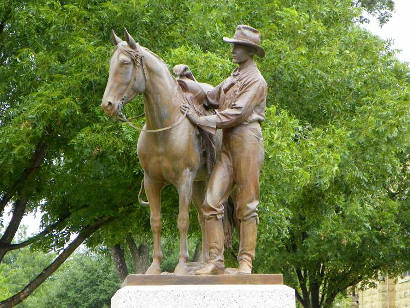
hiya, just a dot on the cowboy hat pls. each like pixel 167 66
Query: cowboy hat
pixel 248 36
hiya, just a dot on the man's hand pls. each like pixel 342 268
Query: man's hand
pixel 192 116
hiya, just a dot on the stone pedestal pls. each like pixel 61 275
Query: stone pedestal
pixel 204 291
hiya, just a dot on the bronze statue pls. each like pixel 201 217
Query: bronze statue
pixel 241 107
pixel 169 146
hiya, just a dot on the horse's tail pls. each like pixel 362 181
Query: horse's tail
pixel 142 202
pixel 230 222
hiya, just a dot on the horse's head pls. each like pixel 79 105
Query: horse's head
pixel 127 76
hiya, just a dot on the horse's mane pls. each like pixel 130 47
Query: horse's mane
pixel 159 59
pixel 154 54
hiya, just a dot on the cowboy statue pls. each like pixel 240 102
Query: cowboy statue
pixel 240 101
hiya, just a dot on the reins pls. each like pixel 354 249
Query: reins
pixel 122 118
pixel 123 101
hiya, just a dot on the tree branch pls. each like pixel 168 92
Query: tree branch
pixel 132 246
pixel 330 299
pixel 118 257
pixel 323 293
pixel 36 282
pixel 18 213
pixel 4 20
pixel 315 281
pixel 302 283
pixel 298 297
pixel 29 241
pixel 322 270
pixel 36 160
pixel 3 202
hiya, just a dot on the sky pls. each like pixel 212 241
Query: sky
pixel 397 30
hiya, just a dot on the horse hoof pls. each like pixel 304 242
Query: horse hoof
pixel 154 269
pixel 181 269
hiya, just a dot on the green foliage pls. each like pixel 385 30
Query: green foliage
pixel 85 280
pixel 18 268
pixel 327 175
pixel 381 8
pixel 335 183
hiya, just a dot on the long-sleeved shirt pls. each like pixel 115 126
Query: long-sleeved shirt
pixel 241 99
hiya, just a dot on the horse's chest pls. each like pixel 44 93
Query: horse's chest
pixel 166 160
pixel 157 165
pixel 153 154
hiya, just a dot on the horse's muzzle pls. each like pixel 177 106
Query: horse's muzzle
pixel 109 107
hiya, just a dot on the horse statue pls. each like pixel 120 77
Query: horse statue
pixel 169 146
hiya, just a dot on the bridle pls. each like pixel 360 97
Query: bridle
pixel 137 60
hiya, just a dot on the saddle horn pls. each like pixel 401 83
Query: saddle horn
pixel 115 39
pixel 131 42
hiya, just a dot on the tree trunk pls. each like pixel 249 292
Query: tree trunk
pixel 18 213
pixel 132 246
pixel 118 257
pixel 328 302
pixel 143 261
pixel 314 294
pixel 139 254
pixel 36 160
pixel 21 202
pixel 3 202
pixel 305 294
pixel 36 282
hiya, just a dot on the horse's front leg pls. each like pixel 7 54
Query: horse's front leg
pixel 153 192
pixel 199 189
pixel 185 195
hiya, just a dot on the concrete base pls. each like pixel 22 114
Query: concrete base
pixel 224 295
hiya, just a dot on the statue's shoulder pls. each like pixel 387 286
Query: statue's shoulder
pixel 258 75
pixel 254 77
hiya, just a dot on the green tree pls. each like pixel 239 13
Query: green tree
pixel 334 186
pixel 382 9
pixel 19 267
pixel 54 151
pixel 86 280
pixel 329 171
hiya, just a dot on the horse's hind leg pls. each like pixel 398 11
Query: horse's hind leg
pixel 185 194
pixel 198 199
pixel 153 192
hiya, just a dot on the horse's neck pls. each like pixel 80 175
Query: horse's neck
pixel 162 94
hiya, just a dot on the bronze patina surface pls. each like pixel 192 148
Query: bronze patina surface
pixel 169 146
pixel 143 280
pixel 170 149
pixel 241 108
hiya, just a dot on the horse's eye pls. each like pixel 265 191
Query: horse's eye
pixel 124 61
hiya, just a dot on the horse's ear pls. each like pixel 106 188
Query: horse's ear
pixel 115 39
pixel 131 42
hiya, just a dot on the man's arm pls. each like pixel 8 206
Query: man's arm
pixel 213 96
pixel 252 94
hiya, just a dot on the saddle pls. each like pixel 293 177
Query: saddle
pixel 195 95
pixel 194 91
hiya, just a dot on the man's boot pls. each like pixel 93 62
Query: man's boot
pixel 215 236
pixel 247 245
